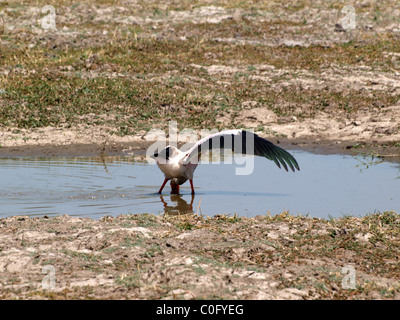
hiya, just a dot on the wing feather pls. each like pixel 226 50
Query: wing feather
pixel 245 142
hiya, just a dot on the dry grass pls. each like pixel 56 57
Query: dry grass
pixel 139 74
pixel 192 257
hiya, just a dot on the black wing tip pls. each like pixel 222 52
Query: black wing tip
pixel 293 164
pixel 278 155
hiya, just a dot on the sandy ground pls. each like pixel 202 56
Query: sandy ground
pixel 373 127
pixel 318 135
pixel 191 257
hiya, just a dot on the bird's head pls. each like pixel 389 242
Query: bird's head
pixel 165 154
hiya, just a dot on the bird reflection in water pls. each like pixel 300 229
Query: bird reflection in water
pixel 179 206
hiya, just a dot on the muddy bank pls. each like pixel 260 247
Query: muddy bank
pixel 192 257
pixel 78 145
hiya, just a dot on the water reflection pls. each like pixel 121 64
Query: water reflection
pixel 179 206
pixel 327 185
pixel 369 161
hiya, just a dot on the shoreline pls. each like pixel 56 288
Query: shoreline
pixel 137 145
pixel 138 148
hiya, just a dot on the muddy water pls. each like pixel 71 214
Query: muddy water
pixel 327 185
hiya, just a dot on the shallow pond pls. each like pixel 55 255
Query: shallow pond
pixel 327 185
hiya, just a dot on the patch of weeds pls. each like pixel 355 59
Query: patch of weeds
pixel 185 225
pixel 153 251
pixel 260 128
pixel 321 286
pixel 390 218
pixel 53 98
pixel 129 281
pixel 210 261
pixel 282 217
pixel 109 250
pixel 198 269
pixel 174 81
pixel 376 221
pixel 227 218
pixel 144 219
pixel 238 75
pixel 90 260
pixel 132 241
pixel 272 244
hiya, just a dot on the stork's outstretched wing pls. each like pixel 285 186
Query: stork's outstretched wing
pixel 244 142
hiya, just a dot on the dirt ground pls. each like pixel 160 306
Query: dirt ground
pixel 191 257
pixel 288 70
pixel 112 70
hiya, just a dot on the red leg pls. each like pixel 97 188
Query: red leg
pixel 191 202
pixel 162 187
pixel 191 185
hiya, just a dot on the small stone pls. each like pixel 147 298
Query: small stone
pixel 378 104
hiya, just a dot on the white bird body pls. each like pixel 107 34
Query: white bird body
pixel 179 166
pixel 173 167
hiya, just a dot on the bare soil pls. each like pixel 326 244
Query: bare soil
pixel 332 89
pixel 192 257
pixel 112 70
